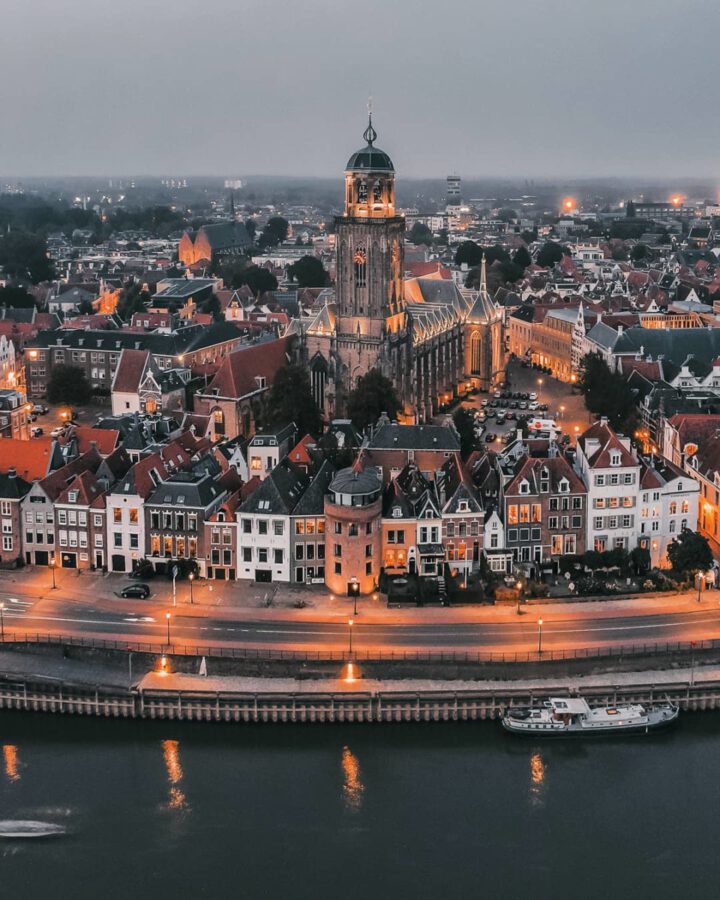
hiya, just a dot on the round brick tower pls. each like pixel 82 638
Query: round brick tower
pixel 353 548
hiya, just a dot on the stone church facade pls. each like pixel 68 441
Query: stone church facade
pixel 428 336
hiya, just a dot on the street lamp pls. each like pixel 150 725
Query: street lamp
pixel 52 569
pixel 539 637
pixel 191 578
pixel 350 628
pixel 167 619
pixel 354 590
pixel 699 579
pixel 2 622
pixel 562 410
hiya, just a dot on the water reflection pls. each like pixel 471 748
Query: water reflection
pixel 353 788
pixel 171 755
pixel 537 780
pixel 12 764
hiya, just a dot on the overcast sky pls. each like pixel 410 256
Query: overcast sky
pixel 478 87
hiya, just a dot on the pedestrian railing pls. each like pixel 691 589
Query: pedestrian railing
pixel 361 655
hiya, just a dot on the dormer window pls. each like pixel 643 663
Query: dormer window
pixel 463 506
pixel 615 458
pixel 564 486
pixel 72 497
pixel 397 512
pixel 524 487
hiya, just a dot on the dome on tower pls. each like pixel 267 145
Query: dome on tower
pixel 370 158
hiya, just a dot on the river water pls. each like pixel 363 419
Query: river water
pixel 171 810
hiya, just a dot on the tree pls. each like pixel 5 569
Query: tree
pixel 689 552
pixel 308 271
pixel 251 228
pixel 275 231
pixel 24 255
pixel 550 254
pixel 290 399
pixel 420 234
pixel 16 297
pixel 257 278
pixel 464 422
pixel 69 384
pixel 507 215
pixel 85 307
pixel 522 258
pixel 607 393
pixel 639 251
pixel 469 253
pixel 212 306
pixel 374 394
pixel 630 210
pixel 619 254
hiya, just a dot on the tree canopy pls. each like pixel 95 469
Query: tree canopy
pixel 522 258
pixel 16 297
pixel 24 255
pixel 308 271
pixel 69 384
pixel 257 278
pixel 464 422
pixel 689 552
pixel 607 393
pixel 469 253
pixel 551 253
pixel 375 394
pixel 290 399
pixel 420 234
pixel 275 231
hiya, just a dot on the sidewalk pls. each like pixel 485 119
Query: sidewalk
pixel 236 684
pixel 247 601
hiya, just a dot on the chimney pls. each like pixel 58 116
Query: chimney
pixel 603 420
pixel 12 472
pixel 619 330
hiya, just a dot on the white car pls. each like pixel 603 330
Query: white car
pixel 533 396
pixel 533 404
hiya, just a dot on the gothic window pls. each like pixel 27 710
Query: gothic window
pixel 377 192
pixel 362 192
pixel 360 260
pixel 475 353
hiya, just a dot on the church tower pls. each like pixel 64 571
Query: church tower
pixel 369 267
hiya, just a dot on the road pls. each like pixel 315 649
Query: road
pixel 219 627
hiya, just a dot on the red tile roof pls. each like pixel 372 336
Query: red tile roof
pixel 56 483
pixel 238 371
pixel 31 459
pixel 144 484
pixel 88 490
pixel 105 439
pixel 608 440
pixel 130 371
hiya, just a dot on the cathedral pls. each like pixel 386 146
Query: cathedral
pixel 429 337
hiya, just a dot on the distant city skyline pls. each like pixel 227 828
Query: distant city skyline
pixel 536 90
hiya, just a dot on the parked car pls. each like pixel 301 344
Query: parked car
pixel 500 418
pixel 39 410
pixel 533 405
pixel 138 591
pixel 532 396
pixel 36 432
pixel 510 415
pixel 484 401
pixel 490 437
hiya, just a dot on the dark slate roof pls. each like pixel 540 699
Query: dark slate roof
pixel 414 437
pixel 312 502
pixel 370 159
pixel 525 313
pixel 185 340
pixel 279 493
pixel 226 236
pixel 675 344
pixel 186 490
pixel 12 487
pixel 356 480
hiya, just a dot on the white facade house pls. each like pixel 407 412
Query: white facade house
pixel 265 450
pixel 611 470
pixel 668 505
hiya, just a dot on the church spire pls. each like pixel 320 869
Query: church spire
pixel 370 134
pixel 483 275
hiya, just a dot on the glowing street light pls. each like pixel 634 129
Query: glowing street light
pixel 539 637
pixel 167 619
pixel 52 569
pixel 191 578
pixel 2 622
pixel 350 629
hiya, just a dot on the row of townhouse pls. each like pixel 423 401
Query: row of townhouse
pixel 610 498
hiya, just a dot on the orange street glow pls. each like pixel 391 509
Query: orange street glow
pixel 676 200
pixel 569 203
